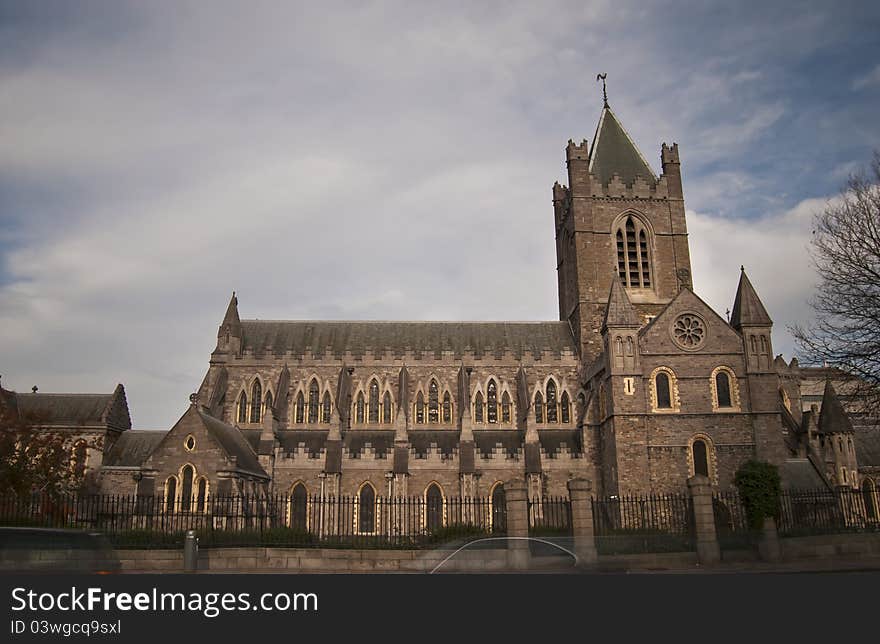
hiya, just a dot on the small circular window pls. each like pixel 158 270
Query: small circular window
pixel 689 331
pixel 189 444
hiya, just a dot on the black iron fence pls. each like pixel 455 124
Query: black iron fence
pixel 731 524
pixel 806 512
pixel 550 516
pixel 301 521
pixel 644 523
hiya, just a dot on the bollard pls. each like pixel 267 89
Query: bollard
pixel 190 551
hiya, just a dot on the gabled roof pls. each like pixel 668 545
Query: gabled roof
pixel 613 152
pixel 748 310
pixel 619 312
pixel 109 410
pixel 832 417
pixel 300 336
pixel 233 442
pixel 132 448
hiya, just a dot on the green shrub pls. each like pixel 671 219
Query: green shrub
pixel 759 488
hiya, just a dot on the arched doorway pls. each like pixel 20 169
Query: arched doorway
pixel 298 507
pixel 434 507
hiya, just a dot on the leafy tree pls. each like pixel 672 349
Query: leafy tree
pixel 34 459
pixel 846 254
pixel 759 488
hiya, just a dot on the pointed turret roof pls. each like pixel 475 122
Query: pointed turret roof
pixel 832 417
pixel 613 152
pixel 619 312
pixel 747 307
pixel 231 316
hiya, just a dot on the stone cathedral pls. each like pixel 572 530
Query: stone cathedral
pixel 638 386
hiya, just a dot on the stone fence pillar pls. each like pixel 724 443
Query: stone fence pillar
pixel 518 553
pixel 700 489
pixel 582 521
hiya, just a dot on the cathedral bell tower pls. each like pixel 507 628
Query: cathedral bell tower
pixel 617 219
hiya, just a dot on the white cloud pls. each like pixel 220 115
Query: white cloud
pixel 870 79
pixel 774 251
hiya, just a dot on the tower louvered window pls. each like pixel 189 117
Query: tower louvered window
pixel 447 409
pixel 505 408
pixel 539 408
pixel 633 262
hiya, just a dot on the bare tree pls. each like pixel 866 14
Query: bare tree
pixel 846 254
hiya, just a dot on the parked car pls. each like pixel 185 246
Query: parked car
pixel 50 550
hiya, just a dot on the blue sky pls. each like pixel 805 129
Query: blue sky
pixel 385 161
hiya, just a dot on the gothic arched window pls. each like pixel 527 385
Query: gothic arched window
pixel 359 408
pixel 367 509
pixel 326 410
pixel 242 408
pixel 374 402
pixel 722 386
pixel 447 409
pixel 539 408
pixel 201 494
pixel 268 401
pixel 478 407
pixel 664 396
pixel 701 457
pixel 420 409
pixel 256 401
pixel 551 402
pixel 386 408
pixel 433 403
pixel 170 493
pixel 505 407
pixel 633 261
pixel 565 408
pixel 300 413
pixel 186 489
pixel 492 402
pixel 313 401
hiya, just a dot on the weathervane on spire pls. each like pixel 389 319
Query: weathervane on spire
pixel 602 77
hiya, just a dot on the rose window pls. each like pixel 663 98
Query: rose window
pixel 689 331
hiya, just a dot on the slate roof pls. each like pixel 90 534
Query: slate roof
pixel 867 441
pixel 486 439
pixel 446 440
pixel 832 417
pixel 83 410
pixel 613 152
pixel 482 338
pixel 619 312
pixel 747 306
pixel 234 444
pixel 381 441
pixel 312 440
pixel 553 439
pixel 132 448
pixel 799 474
